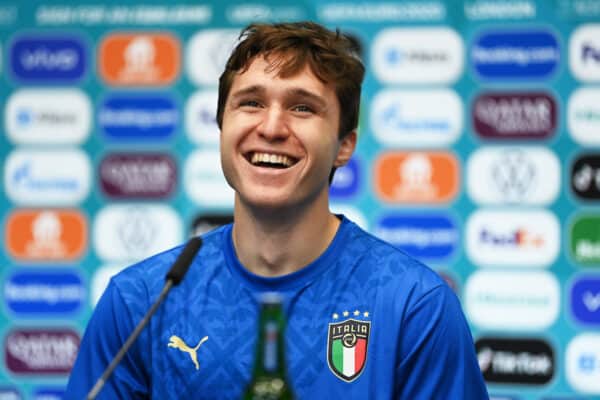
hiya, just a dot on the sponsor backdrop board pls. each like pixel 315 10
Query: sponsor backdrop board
pixel 479 153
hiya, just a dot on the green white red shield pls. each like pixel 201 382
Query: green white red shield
pixel 347 345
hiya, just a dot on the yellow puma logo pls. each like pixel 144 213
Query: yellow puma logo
pixel 178 343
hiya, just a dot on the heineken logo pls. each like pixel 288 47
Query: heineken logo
pixel 347 346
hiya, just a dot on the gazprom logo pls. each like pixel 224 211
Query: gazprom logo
pixel 37 293
pixel 434 237
pixel 138 117
pixel 48 58
pixel 515 54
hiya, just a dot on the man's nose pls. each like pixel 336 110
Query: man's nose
pixel 274 124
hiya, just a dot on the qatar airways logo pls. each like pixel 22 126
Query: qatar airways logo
pixel 514 115
pixel 515 361
pixel 48 58
pixel 37 351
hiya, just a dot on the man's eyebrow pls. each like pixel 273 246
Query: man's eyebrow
pixel 293 92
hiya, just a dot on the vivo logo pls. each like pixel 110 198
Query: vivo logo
pixel 47 177
pixel 527 300
pixel 48 58
pixel 204 182
pixel 34 116
pixel 201 118
pixel 136 175
pixel 583 363
pixel 41 351
pixel 131 232
pixel 584 53
pixel 206 55
pixel 514 115
pixel 515 54
pixel 41 293
pixel 148 117
pixel 346 180
pixel 406 118
pixel 513 175
pixel 432 237
pixel 583 116
pixel 515 361
pixel 417 55
pixel 585 300
pixel 513 238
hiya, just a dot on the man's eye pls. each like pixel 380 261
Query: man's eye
pixel 303 108
pixel 249 103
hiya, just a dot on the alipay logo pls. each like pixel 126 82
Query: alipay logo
pixel 583 363
pixel 48 58
pixel 526 54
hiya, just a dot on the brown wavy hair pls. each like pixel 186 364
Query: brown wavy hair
pixel 289 47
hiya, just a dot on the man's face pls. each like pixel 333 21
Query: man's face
pixel 279 137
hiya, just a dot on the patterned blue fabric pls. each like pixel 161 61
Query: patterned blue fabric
pixel 419 346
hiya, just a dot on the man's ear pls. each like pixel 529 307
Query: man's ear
pixel 347 146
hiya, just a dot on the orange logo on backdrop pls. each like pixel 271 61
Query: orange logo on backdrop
pixel 417 177
pixel 46 234
pixel 139 59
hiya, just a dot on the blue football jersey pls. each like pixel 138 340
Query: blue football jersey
pixel 364 321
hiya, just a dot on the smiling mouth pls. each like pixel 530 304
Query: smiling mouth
pixel 270 160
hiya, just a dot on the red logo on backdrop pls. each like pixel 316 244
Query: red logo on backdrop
pixel 41 351
pixel 514 115
pixel 138 175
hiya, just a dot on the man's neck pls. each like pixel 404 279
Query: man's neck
pixel 282 244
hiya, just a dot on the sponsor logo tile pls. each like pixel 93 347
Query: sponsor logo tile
pixel 583 363
pixel 204 182
pixel 584 53
pixel 503 238
pixel 47 177
pixel 34 351
pixel 33 117
pixel 585 176
pixel 513 175
pixel 514 115
pixel 585 300
pixel 416 177
pixel 206 54
pixel 139 59
pixel 140 117
pixel 515 54
pixel 48 58
pixel 59 235
pixel 346 181
pixel 100 280
pixel 405 117
pixel 433 237
pixel 9 393
pixel 201 118
pixel 511 301
pixel 584 240
pixel 516 360
pixel 583 117
pixel 137 175
pixel 417 55
pixel 38 293
pixel 131 232
pixel 49 394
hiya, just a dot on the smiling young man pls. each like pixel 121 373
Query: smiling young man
pixel 364 320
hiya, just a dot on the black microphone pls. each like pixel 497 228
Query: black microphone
pixel 173 278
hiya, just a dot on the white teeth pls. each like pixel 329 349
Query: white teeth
pixel 271 159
